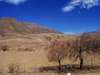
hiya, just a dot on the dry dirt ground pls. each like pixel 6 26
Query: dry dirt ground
pixel 30 58
pixel 27 51
pixel 47 73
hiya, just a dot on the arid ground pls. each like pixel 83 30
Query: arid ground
pixel 28 54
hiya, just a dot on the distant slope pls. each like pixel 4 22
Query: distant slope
pixel 92 35
pixel 9 25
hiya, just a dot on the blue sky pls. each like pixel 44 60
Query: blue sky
pixel 68 16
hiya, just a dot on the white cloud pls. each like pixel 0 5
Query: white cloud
pixel 90 3
pixel 87 4
pixel 68 8
pixel 15 2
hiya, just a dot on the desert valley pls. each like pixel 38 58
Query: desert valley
pixel 24 49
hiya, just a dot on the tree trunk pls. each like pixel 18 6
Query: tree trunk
pixel 59 67
pixel 81 63
pixel 81 58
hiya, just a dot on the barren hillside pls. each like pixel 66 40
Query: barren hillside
pixel 26 45
pixel 10 25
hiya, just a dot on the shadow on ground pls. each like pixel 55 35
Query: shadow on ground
pixel 71 68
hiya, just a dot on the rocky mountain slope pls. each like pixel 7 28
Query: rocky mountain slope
pixel 10 25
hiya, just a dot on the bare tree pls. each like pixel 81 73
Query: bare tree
pixel 77 52
pixel 79 47
pixel 58 50
pixel 84 44
pixel 91 42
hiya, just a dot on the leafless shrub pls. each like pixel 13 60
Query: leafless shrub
pixel 13 68
pixel 4 48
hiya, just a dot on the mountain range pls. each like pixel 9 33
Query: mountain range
pixel 10 25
